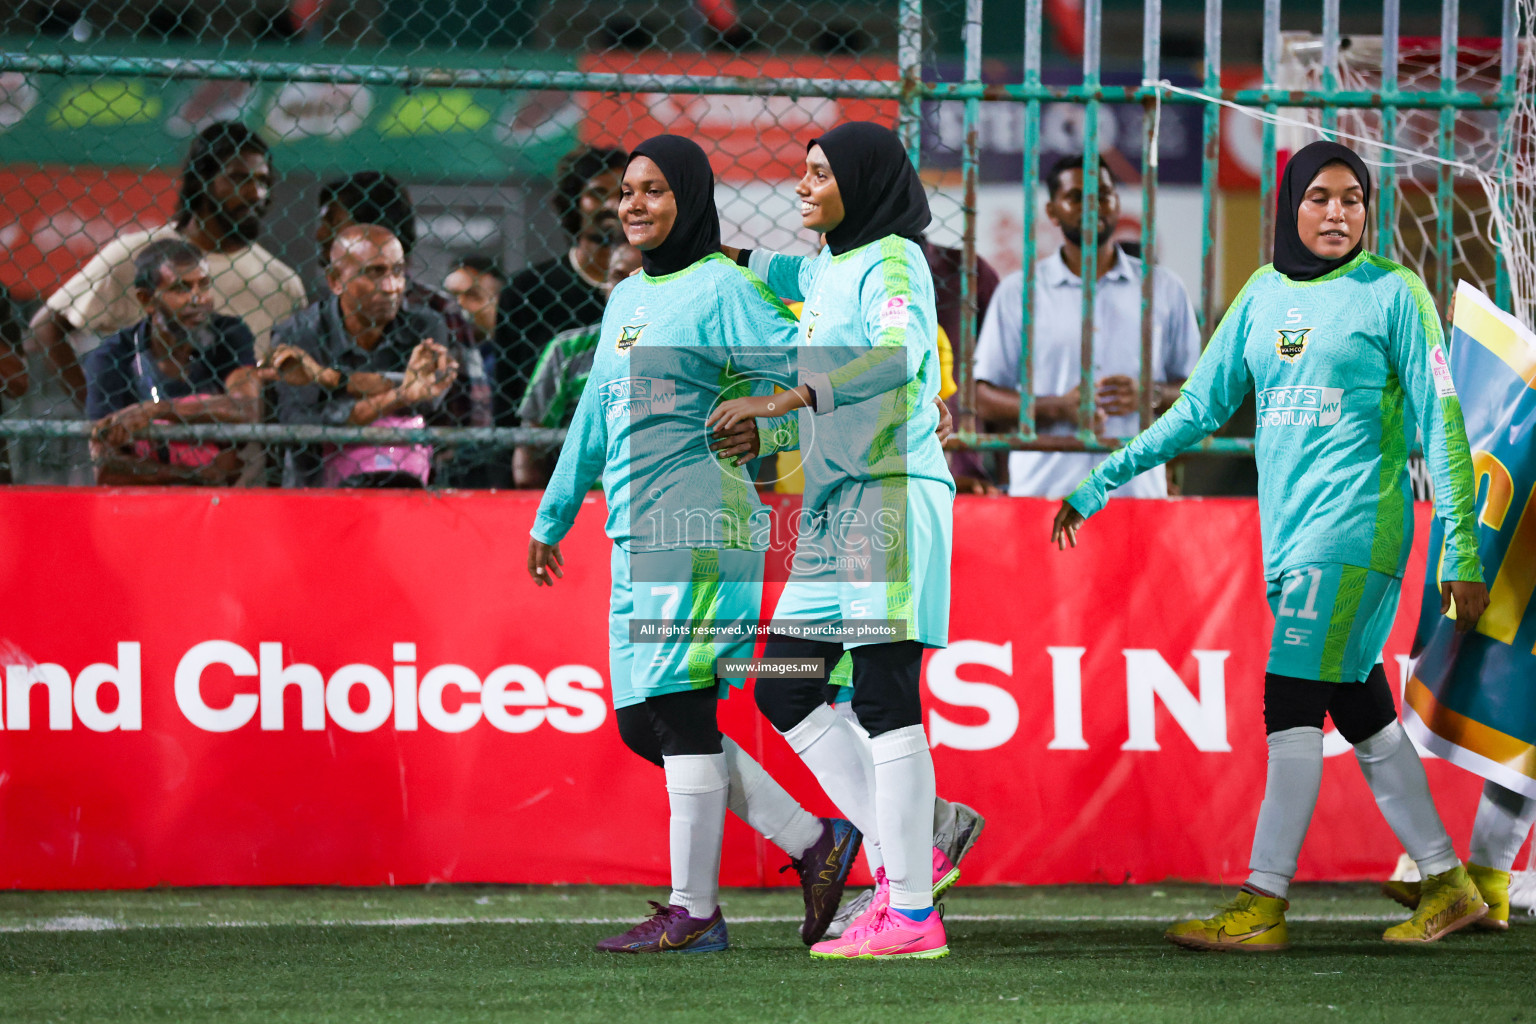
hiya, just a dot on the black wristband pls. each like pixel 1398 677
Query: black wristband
pixel 812 393
pixel 743 257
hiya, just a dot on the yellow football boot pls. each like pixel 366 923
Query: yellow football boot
pixel 1493 885
pixel 1447 902
pixel 1406 893
pixel 1248 924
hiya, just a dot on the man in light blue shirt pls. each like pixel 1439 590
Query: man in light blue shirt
pixel 1057 354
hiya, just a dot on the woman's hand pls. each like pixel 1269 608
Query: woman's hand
pixel 545 563
pixel 946 420
pixel 732 411
pixel 1471 601
pixel 739 444
pixel 1064 529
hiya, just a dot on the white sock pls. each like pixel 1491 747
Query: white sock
pixel 1396 776
pixel 696 790
pixel 1504 818
pixel 757 799
pixel 833 752
pixel 871 847
pixel 1290 795
pixel 904 806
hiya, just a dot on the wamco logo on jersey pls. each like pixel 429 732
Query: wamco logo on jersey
pixel 634 397
pixel 1300 406
pixel 357 698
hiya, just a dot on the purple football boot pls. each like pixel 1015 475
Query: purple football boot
pixel 823 870
pixel 669 929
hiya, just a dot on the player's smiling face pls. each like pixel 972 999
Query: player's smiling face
pixel 647 207
pixel 821 204
pixel 1331 219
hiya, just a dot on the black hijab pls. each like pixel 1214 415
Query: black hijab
pixel 1292 257
pixel 882 194
pixel 696 232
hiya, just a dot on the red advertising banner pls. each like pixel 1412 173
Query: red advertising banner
pixel 57 218
pixel 747 137
pixel 215 687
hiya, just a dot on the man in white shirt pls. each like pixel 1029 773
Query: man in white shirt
pixel 1057 354
pixel 225 191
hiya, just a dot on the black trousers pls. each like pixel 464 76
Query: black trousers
pixel 1359 710
pixel 672 725
pixel 886 692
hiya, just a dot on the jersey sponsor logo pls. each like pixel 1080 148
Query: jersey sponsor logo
pixel 1300 406
pixel 629 334
pixel 1441 371
pixel 635 397
pixel 1291 344
pixel 895 312
pixel 1293 316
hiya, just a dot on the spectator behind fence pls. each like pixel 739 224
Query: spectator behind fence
pixel 365 356
pixel 560 376
pixel 225 191
pixel 475 282
pixel 1057 356
pixel 564 292
pixel 182 363
pixel 968 468
pixel 371 197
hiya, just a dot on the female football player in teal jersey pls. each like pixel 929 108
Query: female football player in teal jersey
pixel 871 570
pixel 1343 351
pixel 688 532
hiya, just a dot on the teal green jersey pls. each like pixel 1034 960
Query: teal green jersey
pixel 670 348
pixel 869 349
pixel 1344 370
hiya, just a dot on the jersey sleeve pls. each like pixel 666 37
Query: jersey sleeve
pixel 582 458
pixel 786 276
pixel 899 320
pixel 1416 351
pixel 1207 400
pixel 756 331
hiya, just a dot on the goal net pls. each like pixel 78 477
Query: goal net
pixel 1491 162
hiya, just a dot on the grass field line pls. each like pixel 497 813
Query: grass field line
pixel 85 923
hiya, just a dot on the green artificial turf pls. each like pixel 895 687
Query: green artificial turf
pixel 515 953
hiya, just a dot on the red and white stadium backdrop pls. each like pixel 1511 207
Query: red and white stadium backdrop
pixel 748 138
pixel 447 721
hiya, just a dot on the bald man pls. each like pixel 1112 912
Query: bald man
pixel 364 356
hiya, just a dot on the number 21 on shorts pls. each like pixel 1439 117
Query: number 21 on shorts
pixel 1309 578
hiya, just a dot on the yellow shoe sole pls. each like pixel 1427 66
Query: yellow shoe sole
pixel 943 885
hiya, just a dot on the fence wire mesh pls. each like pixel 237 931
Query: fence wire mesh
pixel 367 242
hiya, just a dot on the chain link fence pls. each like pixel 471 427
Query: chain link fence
pixel 367 242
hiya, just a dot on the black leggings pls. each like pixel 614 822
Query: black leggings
pixel 886 694
pixel 672 725
pixel 1359 710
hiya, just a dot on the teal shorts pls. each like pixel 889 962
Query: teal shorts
pixel 1331 621
pixel 892 564
pixel 685 585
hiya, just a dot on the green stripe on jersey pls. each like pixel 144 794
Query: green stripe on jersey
pixel 1346 605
